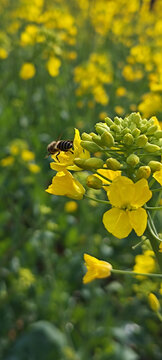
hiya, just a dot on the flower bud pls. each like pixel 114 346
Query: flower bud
pixel 141 140
pixel 126 130
pixel 93 163
pixel 107 139
pixel 108 121
pixel 113 164
pixel 158 134
pixel 143 128
pixel 155 165
pixel 97 139
pixel 151 130
pixel 128 139
pixel 118 120
pixel 136 132
pixel 132 160
pixel 151 148
pixel 80 162
pixel 153 302
pixel 94 182
pixel 143 172
pixel 136 118
pixel 101 127
pixel 115 128
pixel 86 137
pixel 90 146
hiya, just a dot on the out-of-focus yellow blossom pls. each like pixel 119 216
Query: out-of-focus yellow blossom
pixel 80 104
pixel 150 105
pixel 131 74
pixel 121 91
pixel 96 269
pixel 119 110
pixel 100 95
pixel 133 107
pixel 71 206
pixel 53 66
pixel 64 184
pixel 144 263
pixel 3 53
pixel 27 155
pixel 153 302
pixel 34 168
pixel 127 199
pixel 66 159
pixel 160 290
pixel 7 161
pixel 158 176
pixel 91 104
pixel 102 115
pixel 28 37
pixel 14 149
pixel 27 71
pixel 160 247
pixel 26 278
pixel 72 55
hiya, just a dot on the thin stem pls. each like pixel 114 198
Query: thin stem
pixel 138 244
pixel 154 240
pixel 104 177
pixel 133 273
pixel 156 190
pixel 97 200
pixel 153 207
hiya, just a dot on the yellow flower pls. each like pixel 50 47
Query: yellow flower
pixel 160 247
pixel 158 176
pixel 153 302
pixel 109 174
pixel 119 110
pixel 27 155
pixel 53 66
pixel 127 213
pixel 27 71
pixel 64 184
pixel 71 206
pixel 34 168
pixel 7 161
pixel 66 159
pixel 121 91
pixel 96 269
pixel 144 263
pixel 3 53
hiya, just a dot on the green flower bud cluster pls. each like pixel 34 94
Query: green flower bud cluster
pixel 129 144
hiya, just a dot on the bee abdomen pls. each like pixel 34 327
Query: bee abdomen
pixel 64 145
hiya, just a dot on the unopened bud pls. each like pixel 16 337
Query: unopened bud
pixel 141 141
pixel 132 160
pixel 115 128
pixel 101 127
pixel 97 139
pixel 93 163
pixel 143 128
pixel 108 121
pixel 118 120
pixel 94 182
pixel 80 162
pixel 90 146
pixel 151 148
pixel 113 164
pixel 153 302
pixel 107 139
pixel 86 137
pixel 128 139
pixel 155 165
pixel 158 134
pixel 135 117
pixel 136 132
pixel 143 172
pixel 151 130
pixel 126 130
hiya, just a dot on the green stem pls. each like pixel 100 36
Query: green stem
pixel 153 207
pixel 156 190
pixel 104 177
pixel 97 200
pixel 133 273
pixel 154 243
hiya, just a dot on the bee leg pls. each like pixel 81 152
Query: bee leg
pixel 71 151
pixel 57 156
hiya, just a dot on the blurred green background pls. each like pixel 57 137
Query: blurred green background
pixel 67 64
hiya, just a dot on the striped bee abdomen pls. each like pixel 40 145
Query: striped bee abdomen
pixel 64 145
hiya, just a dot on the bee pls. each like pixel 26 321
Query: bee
pixel 58 146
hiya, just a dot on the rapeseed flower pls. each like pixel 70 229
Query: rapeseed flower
pixel 127 199
pixel 65 184
pixel 144 263
pixel 153 302
pixel 66 159
pixel 96 269
pixel 158 176
pixel 27 71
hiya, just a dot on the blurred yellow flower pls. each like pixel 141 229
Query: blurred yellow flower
pixel 8 161
pixel 3 53
pixel 127 199
pixel 102 115
pixel 65 184
pixel 121 91
pixel 96 269
pixel 27 155
pixel 53 66
pixel 150 104
pixel 14 149
pixel 144 263
pixel 27 71
pixel 34 168
pixel 119 110
pixel 153 302
pixel 26 278
pixel 71 206
pixel 160 247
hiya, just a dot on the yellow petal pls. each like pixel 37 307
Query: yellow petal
pixel 64 184
pixel 138 220
pixel 116 221
pixel 89 276
pixel 90 260
pixel 121 192
pixel 78 150
pixel 142 193
pixel 158 176
pixel 96 269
